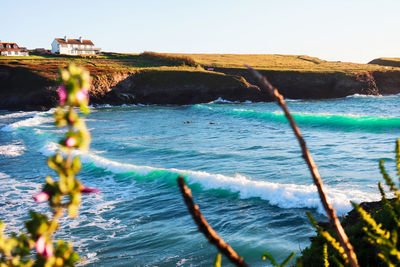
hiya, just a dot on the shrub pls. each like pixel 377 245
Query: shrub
pixel 373 229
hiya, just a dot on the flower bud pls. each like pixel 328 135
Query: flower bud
pixel 48 251
pixel 89 190
pixel 82 96
pixel 70 142
pixel 41 197
pixel 40 245
pixel 62 94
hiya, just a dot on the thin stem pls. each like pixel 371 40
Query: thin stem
pixel 329 209
pixel 58 213
pixel 205 228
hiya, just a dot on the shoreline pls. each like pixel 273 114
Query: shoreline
pixel 31 84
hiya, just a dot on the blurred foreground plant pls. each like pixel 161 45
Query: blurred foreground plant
pixel 374 234
pixel 62 194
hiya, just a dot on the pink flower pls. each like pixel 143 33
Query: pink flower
pixel 62 94
pixel 40 245
pixel 82 96
pixel 70 142
pixel 48 252
pixel 41 197
pixel 89 190
pixel 43 248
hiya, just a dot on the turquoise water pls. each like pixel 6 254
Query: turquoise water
pixel 240 159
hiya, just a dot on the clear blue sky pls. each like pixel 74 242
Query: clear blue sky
pixel 346 30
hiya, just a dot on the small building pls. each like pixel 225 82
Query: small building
pixel 75 47
pixel 12 49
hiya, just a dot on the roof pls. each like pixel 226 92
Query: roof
pixel 74 41
pixel 9 47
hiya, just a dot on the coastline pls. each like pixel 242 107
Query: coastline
pixel 27 84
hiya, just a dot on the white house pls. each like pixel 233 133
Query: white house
pixel 64 46
pixel 12 49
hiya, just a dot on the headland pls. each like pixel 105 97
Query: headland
pixel 30 83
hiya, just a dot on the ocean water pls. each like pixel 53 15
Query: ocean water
pixel 241 161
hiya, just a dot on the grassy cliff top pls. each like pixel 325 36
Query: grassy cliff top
pixel 109 63
pixel 281 63
pixel 386 61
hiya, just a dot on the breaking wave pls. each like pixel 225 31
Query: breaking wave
pixel 282 195
pixel 350 122
pixel 38 119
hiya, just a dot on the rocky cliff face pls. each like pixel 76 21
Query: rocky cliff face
pixel 26 90
pixel 21 89
pixel 182 87
pixel 388 82
pixel 315 85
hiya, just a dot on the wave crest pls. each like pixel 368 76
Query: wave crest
pixel 283 195
pixel 38 119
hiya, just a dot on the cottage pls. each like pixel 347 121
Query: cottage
pixel 64 46
pixel 12 49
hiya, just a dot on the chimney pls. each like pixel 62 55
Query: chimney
pixel 65 38
pixel 80 39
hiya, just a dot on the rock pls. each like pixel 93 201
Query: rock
pixel 24 89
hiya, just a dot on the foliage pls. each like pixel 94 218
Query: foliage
pixel 217 261
pixel 374 234
pixel 62 194
pixel 273 262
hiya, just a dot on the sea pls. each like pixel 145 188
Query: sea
pixel 241 161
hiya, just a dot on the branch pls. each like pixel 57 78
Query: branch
pixel 205 228
pixel 330 211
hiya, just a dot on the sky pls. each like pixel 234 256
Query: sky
pixel 341 30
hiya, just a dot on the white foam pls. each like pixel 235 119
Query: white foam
pixel 103 106
pixel 18 115
pixel 282 195
pixel 16 197
pixel 220 100
pixel 38 119
pixel 12 150
pixel 363 96
pixel 293 100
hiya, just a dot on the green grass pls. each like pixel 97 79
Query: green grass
pixel 395 59
pixel 301 63
pixel 109 62
pixel 386 61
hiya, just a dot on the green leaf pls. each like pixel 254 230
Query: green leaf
pixel 269 257
pixel 288 259
pixel 217 261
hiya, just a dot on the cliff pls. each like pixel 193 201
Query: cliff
pixel 31 84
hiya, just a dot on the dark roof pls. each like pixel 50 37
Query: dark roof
pixel 74 41
pixel 9 47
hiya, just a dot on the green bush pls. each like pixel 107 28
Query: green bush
pixel 373 230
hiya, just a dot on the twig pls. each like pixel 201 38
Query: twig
pixel 205 228
pixel 330 211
